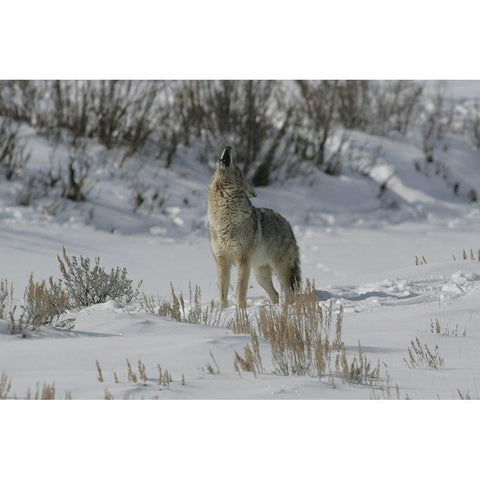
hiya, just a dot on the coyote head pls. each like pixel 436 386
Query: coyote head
pixel 231 173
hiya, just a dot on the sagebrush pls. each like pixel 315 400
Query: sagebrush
pixel 88 284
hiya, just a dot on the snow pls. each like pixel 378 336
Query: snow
pixel 359 247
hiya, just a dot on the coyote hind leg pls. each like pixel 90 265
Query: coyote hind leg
pixel 263 275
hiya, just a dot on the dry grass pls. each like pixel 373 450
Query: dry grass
pixel 6 298
pixel 305 338
pixel 142 371
pixel 252 361
pixel 359 371
pixel 420 261
pixel 132 376
pixel 5 386
pixel 99 371
pixel 436 327
pixel 465 395
pixel 181 311
pixel 420 356
pixel 212 369
pixel 47 392
pixel 164 377
pixel 240 323
pixel 473 256
pixel 383 389
pixel 300 335
pixel 44 303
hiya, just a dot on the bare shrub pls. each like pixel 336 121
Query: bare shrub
pixel 88 284
pixel 250 114
pixel 354 103
pixel 75 177
pixel 19 99
pixel 314 119
pixel 148 199
pixel 473 125
pixel 437 119
pixel 362 159
pixel 13 154
pixel 394 105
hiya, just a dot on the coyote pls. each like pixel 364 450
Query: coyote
pixel 248 237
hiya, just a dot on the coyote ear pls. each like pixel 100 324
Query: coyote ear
pixel 250 190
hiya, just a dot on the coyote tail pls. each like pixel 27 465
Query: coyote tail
pixel 295 275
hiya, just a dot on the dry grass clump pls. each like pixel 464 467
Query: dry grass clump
pixel 383 389
pixel 300 334
pixel 465 395
pixel 212 369
pixel 359 370
pixel 420 356
pixel 464 256
pixel 5 386
pixel 305 338
pixel 47 392
pixel 44 304
pixel 436 327
pixel 8 308
pixel 132 376
pixel 6 298
pixel 164 377
pixel 179 311
pixel 252 361
pixel 99 371
pixel 420 261
pixel 240 323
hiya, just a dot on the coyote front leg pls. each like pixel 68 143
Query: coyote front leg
pixel 242 283
pixel 223 272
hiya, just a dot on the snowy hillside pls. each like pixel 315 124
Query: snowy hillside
pixel 393 242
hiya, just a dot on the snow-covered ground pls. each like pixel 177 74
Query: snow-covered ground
pixel 359 247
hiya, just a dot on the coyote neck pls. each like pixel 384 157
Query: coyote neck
pixel 230 214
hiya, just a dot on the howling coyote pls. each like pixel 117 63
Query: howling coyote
pixel 248 237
